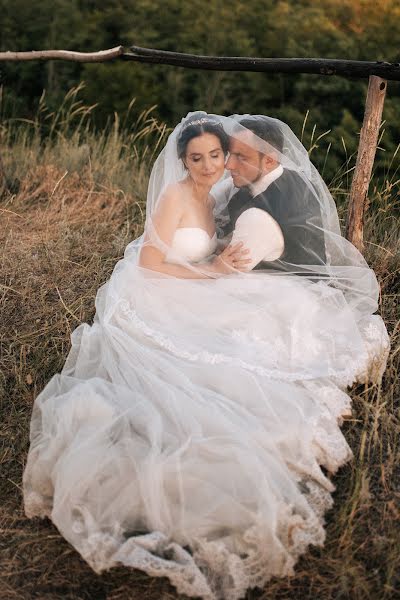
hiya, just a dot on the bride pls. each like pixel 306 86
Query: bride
pixel 195 425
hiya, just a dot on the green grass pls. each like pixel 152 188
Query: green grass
pixel 75 198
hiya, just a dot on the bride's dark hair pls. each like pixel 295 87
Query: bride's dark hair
pixel 195 126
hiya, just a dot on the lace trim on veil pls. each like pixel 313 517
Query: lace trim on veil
pixel 358 369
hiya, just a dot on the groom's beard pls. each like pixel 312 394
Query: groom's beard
pixel 260 174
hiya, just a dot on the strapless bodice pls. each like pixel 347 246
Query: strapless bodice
pixel 192 244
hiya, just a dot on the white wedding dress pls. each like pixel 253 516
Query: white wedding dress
pixel 184 437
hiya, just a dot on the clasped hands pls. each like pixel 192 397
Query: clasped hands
pixel 232 258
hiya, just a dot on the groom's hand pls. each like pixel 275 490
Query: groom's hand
pixel 232 259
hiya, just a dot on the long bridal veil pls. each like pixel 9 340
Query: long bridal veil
pixel 336 259
pixel 340 275
pixel 186 433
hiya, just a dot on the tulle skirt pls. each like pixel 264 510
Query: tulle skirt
pixel 186 433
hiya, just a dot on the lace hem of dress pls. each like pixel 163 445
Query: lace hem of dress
pixel 208 569
pixel 225 567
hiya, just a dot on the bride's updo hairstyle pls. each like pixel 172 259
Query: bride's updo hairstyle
pixel 197 125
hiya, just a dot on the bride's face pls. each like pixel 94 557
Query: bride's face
pixel 205 159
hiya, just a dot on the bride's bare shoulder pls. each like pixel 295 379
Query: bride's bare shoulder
pixel 176 191
pixel 172 198
pixel 180 188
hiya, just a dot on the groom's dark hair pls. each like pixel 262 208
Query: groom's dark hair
pixel 266 129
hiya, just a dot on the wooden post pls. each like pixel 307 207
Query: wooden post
pixel 365 160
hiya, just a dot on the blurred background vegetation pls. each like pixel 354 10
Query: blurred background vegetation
pixel 351 29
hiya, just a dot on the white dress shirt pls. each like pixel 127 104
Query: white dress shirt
pixel 261 184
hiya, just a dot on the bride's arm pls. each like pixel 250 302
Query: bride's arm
pixel 153 259
pixel 164 224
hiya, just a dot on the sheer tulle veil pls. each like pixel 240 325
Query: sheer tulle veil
pixel 340 264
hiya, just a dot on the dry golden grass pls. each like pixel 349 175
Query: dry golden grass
pixel 60 237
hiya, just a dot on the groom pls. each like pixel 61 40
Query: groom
pixel 263 183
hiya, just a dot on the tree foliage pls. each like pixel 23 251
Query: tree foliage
pixel 352 29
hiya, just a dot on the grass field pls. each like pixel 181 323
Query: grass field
pixel 71 206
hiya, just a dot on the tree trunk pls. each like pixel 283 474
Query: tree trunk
pixel 365 160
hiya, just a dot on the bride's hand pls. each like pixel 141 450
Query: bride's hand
pixel 232 259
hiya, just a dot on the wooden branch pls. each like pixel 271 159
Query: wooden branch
pixel 365 160
pixel 102 56
pixel 317 66
pixel 378 72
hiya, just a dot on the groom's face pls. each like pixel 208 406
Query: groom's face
pixel 245 163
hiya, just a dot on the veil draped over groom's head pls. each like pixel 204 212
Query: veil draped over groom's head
pixel 302 203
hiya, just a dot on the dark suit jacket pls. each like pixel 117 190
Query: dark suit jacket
pixel 296 209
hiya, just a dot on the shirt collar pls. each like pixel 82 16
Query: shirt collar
pixel 261 184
